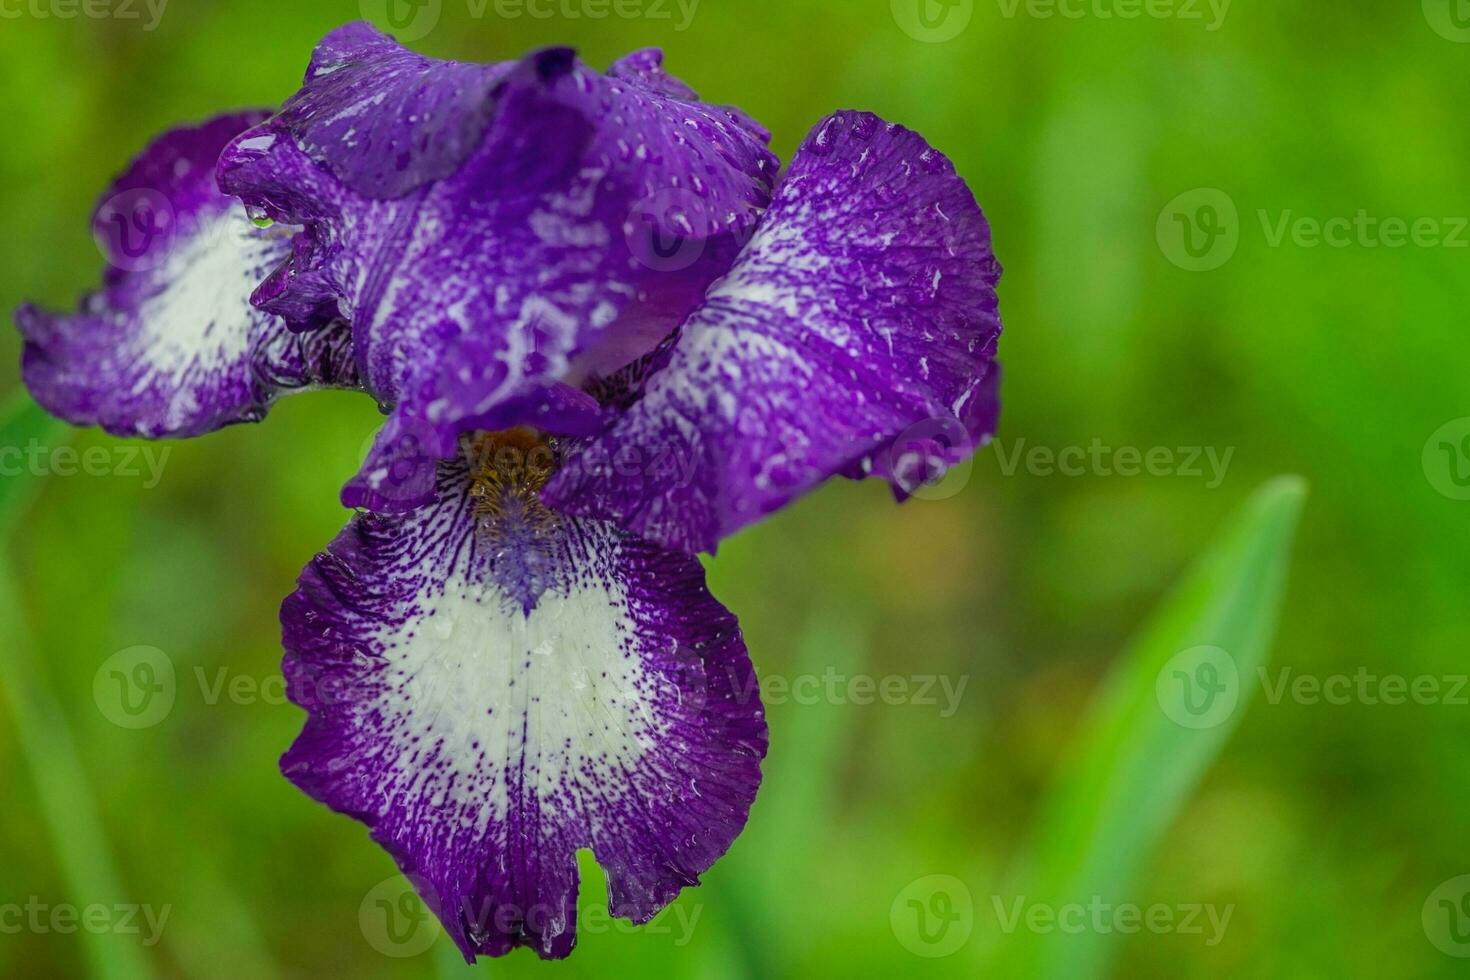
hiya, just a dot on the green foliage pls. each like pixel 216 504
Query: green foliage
pixel 1148 740
pixel 62 801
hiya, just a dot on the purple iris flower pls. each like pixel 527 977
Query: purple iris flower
pixel 606 334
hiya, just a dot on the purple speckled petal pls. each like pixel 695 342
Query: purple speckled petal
pixel 856 335
pixel 491 687
pixel 170 346
pixel 384 120
pixel 565 233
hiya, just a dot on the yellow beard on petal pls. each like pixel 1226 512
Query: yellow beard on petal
pixel 507 471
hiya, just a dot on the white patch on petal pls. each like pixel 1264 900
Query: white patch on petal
pixel 478 697
pixel 200 323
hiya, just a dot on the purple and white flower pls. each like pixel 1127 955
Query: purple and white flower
pixel 607 333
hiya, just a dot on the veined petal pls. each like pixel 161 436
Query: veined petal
pixel 491 687
pixel 856 335
pixel 563 233
pixel 171 346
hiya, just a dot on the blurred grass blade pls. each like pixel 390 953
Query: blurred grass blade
pixel 22 422
pixel 794 810
pixel 1163 716
pixel 63 798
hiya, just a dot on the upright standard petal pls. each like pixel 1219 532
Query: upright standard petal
pixel 856 335
pixel 491 686
pixel 566 225
pixel 170 345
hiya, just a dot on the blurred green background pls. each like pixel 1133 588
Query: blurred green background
pixel 1326 829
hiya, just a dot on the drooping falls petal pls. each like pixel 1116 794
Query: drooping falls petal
pixel 491 686
pixel 856 335
pixel 170 345
pixel 523 249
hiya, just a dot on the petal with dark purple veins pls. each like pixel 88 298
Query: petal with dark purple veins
pixel 170 345
pixel 861 316
pixel 491 686
pixel 565 233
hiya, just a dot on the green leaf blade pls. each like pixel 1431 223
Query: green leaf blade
pixel 1164 715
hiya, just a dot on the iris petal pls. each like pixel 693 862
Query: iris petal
pixel 170 346
pixel 491 687
pixel 856 335
pixel 529 249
